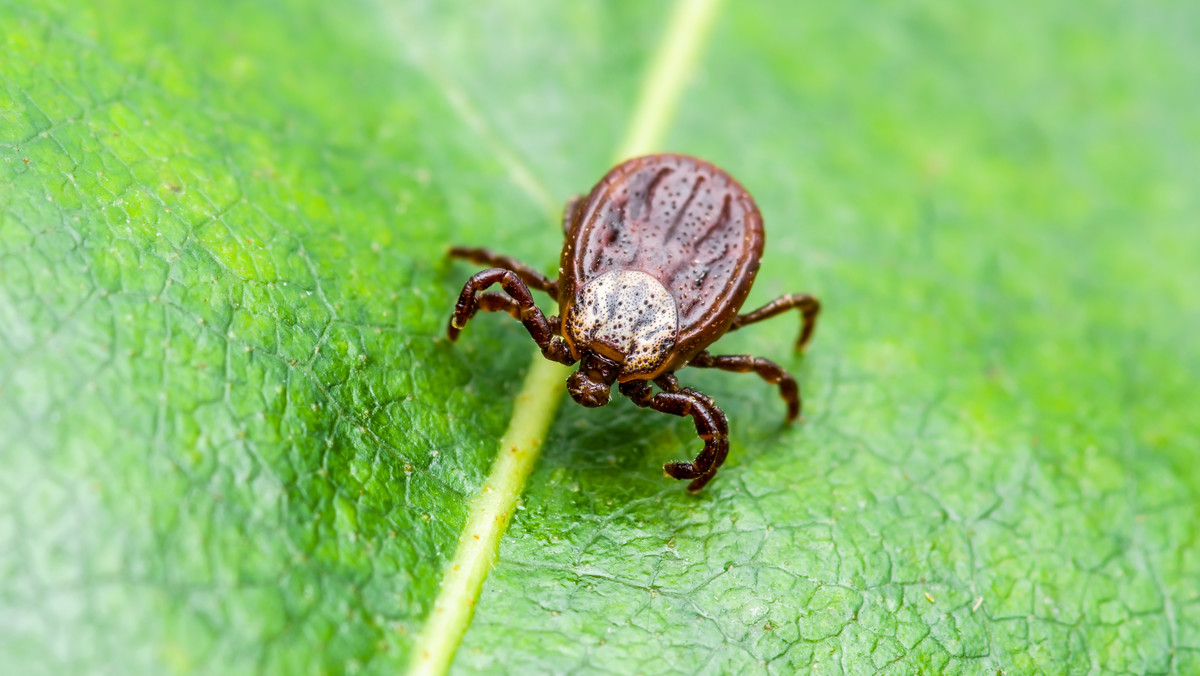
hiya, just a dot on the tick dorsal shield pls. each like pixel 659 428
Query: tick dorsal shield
pixel 627 316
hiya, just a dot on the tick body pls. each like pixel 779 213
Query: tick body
pixel 656 264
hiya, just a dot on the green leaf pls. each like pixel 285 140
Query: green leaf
pixel 233 440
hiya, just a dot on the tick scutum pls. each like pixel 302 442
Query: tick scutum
pixel 627 316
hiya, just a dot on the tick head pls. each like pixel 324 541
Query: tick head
pixel 590 386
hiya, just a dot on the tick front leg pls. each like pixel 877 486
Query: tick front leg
pixel 519 304
pixel 766 369
pixel 531 277
pixel 489 301
pixel 809 308
pixel 711 426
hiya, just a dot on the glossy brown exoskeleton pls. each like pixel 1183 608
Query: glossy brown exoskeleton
pixel 658 260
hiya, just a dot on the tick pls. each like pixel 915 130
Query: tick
pixel 656 263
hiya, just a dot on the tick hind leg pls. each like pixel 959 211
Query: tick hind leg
pixel 519 304
pixel 569 212
pixel 711 425
pixel 531 277
pixel 809 308
pixel 768 370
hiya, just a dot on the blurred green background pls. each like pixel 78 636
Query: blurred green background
pixel 233 440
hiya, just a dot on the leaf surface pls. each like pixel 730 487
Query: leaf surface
pixel 233 440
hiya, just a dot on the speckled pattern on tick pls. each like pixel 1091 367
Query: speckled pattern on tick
pixel 656 264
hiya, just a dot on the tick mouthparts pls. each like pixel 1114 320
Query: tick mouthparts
pixel 591 385
pixel 587 392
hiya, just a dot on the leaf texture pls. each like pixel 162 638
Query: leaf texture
pixel 232 439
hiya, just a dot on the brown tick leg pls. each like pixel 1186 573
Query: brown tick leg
pixel 520 306
pixel 768 370
pixel 711 426
pixel 809 308
pixel 569 212
pixel 531 277
pixel 497 302
pixel 490 301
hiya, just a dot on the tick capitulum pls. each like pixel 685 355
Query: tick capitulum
pixel 656 264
